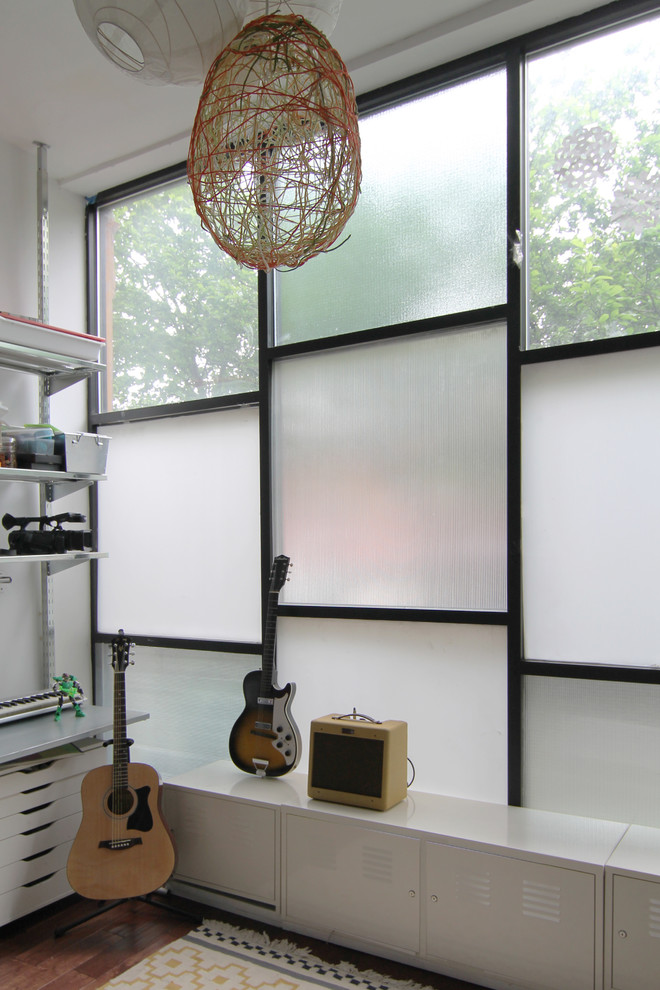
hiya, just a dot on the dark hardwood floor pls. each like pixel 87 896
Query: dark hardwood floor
pixel 85 957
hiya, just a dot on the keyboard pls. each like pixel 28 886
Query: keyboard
pixel 34 704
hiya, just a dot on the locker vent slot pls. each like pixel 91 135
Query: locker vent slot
pixel 654 917
pixel 474 888
pixel 377 864
pixel 541 900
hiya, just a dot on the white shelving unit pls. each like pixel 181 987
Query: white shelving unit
pixel 58 359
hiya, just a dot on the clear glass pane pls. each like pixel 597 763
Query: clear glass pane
pixel 591 748
pixel 193 699
pixel 390 459
pixel 180 510
pixel 590 489
pixel 594 188
pixel 428 236
pixel 179 315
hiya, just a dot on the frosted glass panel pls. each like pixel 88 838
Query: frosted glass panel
pixel 180 514
pixel 591 748
pixel 428 236
pixel 591 489
pixel 193 699
pixel 390 472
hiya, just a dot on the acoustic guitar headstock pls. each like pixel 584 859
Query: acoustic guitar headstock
pixel 121 652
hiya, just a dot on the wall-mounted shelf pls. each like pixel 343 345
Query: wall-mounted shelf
pixel 55 562
pixel 62 371
pixel 58 358
pixel 58 483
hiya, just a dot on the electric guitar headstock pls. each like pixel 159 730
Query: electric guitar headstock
pixel 279 572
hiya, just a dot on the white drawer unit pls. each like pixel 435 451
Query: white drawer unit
pixel 20 847
pixel 32 896
pixel 40 812
pixel 45 769
pixel 25 802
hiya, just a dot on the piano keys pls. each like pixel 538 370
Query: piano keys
pixel 34 704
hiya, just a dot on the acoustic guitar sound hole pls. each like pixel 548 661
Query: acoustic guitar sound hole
pixel 120 801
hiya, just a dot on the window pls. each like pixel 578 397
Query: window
pixel 591 546
pixel 594 188
pixel 390 463
pixel 179 316
pixel 193 698
pixel 390 456
pixel 428 234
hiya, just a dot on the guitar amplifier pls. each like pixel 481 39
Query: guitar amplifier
pixel 358 762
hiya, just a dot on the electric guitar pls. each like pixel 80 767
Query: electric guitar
pixel 123 847
pixel 265 740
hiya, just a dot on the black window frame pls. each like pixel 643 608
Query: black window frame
pixel 512 55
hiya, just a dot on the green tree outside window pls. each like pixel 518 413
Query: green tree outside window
pixel 180 315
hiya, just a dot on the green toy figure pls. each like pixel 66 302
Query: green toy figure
pixel 67 687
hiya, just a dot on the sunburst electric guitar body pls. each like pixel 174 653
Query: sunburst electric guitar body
pixel 265 739
pixel 123 847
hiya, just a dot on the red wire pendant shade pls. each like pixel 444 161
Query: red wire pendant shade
pixel 274 161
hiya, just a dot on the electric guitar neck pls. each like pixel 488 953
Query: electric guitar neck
pixel 265 739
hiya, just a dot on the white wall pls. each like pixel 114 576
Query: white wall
pixel 18 294
pixel 447 681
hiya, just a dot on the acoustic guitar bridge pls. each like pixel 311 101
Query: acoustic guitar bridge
pixel 120 843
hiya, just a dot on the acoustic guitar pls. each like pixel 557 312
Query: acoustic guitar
pixel 265 740
pixel 123 847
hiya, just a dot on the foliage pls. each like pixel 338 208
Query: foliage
pixel 594 190
pixel 185 315
pixel 184 322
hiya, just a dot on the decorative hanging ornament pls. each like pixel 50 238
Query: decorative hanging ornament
pixel 274 161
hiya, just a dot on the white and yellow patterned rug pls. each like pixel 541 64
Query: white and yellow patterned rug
pixel 220 957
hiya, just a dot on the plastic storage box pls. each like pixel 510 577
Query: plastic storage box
pixel 33 444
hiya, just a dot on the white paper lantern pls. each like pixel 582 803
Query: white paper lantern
pixel 161 41
pixel 323 14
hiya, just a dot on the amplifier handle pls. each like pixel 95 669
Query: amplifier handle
pixel 356 715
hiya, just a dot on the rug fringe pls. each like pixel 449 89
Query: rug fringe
pixel 264 941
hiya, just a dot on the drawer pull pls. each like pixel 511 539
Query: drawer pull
pixel 37 807
pixel 34 883
pixel 38 828
pixel 28 859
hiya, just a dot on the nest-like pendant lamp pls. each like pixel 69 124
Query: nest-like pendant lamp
pixel 274 160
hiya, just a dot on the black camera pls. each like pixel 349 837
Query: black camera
pixel 50 537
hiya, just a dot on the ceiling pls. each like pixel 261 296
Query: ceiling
pixel 103 127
